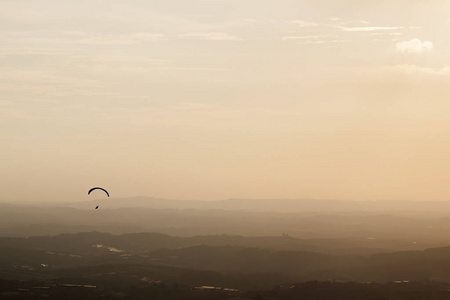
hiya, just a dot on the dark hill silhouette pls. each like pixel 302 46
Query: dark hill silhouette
pixel 141 242
pixel 93 250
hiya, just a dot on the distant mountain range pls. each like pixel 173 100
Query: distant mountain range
pixel 267 205
pixel 371 231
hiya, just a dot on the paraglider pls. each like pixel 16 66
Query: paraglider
pixel 98 188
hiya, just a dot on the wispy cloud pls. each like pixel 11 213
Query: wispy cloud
pixel 191 69
pixel 55 39
pixel 132 38
pixel 386 33
pixel 418 69
pixel 376 28
pixel 313 39
pixel 117 59
pixel 368 28
pixel 321 42
pixel 14 51
pixel 212 36
pixel 414 46
pixel 303 37
pixel 303 23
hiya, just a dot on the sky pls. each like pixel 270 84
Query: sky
pixel 216 99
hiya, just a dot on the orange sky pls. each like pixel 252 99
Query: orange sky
pixel 218 99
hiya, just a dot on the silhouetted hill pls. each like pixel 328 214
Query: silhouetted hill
pixel 168 257
pixel 140 242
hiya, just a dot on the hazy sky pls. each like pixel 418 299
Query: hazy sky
pixel 212 99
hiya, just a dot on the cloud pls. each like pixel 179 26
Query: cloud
pixel 386 33
pixel 70 37
pixel 368 28
pixel 418 69
pixel 374 28
pixel 321 42
pixel 414 46
pixel 302 23
pixel 133 38
pixel 212 36
pixel 303 37
pixel 191 69
pixel 16 51
pixel 313 39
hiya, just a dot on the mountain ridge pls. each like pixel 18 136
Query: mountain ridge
pixel 269 205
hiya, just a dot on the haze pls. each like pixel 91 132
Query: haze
pixel 210 100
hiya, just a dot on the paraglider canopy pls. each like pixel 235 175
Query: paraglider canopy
pixel 98 188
